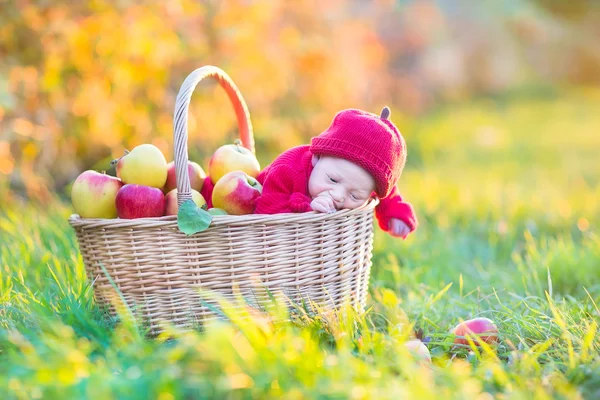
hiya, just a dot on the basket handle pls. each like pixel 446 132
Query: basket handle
pixel 180 129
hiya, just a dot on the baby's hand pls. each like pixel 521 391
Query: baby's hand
pixel 398 228
pixel 323 204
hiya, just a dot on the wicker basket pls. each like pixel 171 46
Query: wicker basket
pixel 160 272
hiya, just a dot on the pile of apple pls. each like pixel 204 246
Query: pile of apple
pixel 145 185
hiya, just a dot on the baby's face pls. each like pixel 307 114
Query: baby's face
pixel 347 184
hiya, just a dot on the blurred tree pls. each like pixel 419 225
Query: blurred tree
pixel 570 10
pixel 87 80
pixel 81 82
pixel 572 46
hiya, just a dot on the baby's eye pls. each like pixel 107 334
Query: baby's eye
pixel 353 197
pixel 332 180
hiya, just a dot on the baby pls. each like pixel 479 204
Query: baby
pixel 359 156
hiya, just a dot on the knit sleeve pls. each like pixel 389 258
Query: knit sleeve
pixel 282 193
pixel 393 206
pixel 206 192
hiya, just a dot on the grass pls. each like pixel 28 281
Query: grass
pixel 507 196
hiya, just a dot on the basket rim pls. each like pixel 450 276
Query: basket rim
pixel 222 220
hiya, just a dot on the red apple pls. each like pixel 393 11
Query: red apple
pixel 418 350
pixel 195 172
pixel 139 201
pixel 478 329
pixel 236 193
pixel 232 157
pixel 93 195
pixel 171 201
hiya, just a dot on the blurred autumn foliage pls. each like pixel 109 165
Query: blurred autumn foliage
pixel 82 81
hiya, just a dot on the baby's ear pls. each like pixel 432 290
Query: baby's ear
pixel 315 158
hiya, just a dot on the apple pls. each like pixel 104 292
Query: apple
pixel 144 165
pixel 478 329
pixel 418 350
pixel 195 172
pixel 232 157
pixel 171 201
pixel 139 201
pixel 217 211
pixel 236 193
pixel 93 195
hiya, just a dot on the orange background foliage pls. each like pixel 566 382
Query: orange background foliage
pixel 82 82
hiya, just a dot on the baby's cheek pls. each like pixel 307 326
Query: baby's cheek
pixel 316 189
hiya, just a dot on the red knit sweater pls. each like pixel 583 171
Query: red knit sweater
pixel 285 190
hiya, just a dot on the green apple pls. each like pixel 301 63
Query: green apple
pixel 232 157
pixel 418 350
pixel 93 195
pixel 236 192
pixel 144 165
pixel 217 211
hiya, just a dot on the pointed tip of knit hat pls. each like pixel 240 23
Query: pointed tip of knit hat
pixel 385 113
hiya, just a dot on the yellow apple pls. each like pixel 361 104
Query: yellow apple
pixel 144 165
pixel 93 195
pixel 172 206
pixel 232 157
pixel 418 350
pixel 236 193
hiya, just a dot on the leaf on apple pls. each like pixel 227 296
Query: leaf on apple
pixel 192 219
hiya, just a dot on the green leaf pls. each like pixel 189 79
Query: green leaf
pixel 192 219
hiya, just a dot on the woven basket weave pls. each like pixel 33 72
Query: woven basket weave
pixel 323 259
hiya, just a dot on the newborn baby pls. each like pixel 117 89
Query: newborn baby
pixel 359 156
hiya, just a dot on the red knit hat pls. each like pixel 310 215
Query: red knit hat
pixel 368 140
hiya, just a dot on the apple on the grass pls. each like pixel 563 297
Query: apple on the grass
pixel 171 201
pixel 236 193
pixel 93 195
pixel 196 174
pixel 144 165
pixel 139 201
pixel 232 157
pixel 418 350
pixel 478 329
